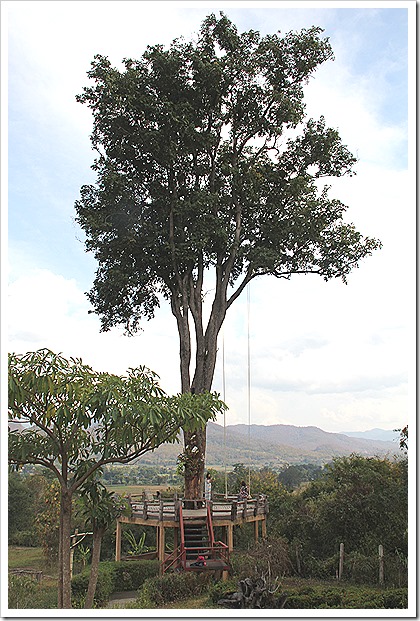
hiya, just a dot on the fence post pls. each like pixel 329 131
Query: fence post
pixel 341 564
pixel 381 564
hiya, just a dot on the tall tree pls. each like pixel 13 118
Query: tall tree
pixel 75 420
pixel 207 168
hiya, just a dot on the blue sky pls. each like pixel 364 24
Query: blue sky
pixel 321 353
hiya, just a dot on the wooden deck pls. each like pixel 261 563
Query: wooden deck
pixel 226 513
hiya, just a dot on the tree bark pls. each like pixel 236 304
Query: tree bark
pixel 66 500
pixel 94 569
pixel 195 452
pixel 206 355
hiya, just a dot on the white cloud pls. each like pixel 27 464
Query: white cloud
pixel 341 352
pixel 47 310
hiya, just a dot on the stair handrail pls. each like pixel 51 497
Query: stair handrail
pixel 181 528
pixel 210 526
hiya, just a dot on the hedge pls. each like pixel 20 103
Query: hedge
pixel 113 576
pixel 172 587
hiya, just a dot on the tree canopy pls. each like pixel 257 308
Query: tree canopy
pixel 198 169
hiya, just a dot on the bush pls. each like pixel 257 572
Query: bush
pixel 161 590
pixel 130 575
pixel 268 556
pixel 24 539
pixel 25 592
pixel 322 569
pixel 220 589
pixel 104 587
pixel 345 597
pixel 121 576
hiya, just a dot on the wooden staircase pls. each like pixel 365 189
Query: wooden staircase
pixel 198 551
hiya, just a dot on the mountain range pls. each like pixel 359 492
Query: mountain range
pixel 278 445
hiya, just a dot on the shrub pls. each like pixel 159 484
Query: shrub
pixel 161 590
pixel 24 538
pixel 130 575
pixel 220 589
pixel 121 576
pixel 268 556
pixel 323 569
pixel 345 597
pixel 25 592
pixel 104 587
pixel 395 598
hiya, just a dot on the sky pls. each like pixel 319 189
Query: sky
pixel 339 357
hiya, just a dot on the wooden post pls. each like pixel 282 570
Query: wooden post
pixel 161 510
pixel 341 564
pixel 144 509
pixel 381 564
pixel 264 529
pixel 256 530
pixel 234 510
pixel 161 543
pixel 177 506
pixel 118 542
pixel 230 537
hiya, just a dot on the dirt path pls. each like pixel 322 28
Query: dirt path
pixel 118 600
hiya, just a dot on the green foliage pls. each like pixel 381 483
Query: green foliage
pixel 293 476
pixel 25 592
pixel 136 547
pixel 161 590
pixel 316 597
pixel 270 556
pixel 220 589
pixel 47 521
pixel 130 575
pixel 121 576
pixel 182 169
pixel 358 501
pixel 26 500
pixel 104 586
pixel 403 438
pixel 83 554
pixel 114 418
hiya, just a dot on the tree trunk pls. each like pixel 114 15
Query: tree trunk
pixel 94 568
pixel 60 562
pixel 195 453
pixel 65 520
pixel 205 362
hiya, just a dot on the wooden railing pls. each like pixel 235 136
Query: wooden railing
pixel 168 510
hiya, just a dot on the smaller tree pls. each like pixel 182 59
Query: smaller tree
pixel 75 420
pixel 100 508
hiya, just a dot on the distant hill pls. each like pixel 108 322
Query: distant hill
pixel 387 435
pixel 275 445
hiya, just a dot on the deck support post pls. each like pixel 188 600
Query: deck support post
pixel 256 523
pixel 161 543
pixel 264 528
pixel 230 538
pixel 118 542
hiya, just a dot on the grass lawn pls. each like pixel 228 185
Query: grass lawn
pixel 135 489
pixel 32 558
